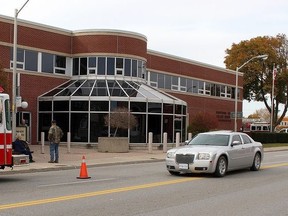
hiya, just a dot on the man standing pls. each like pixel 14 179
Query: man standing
pixel 54 136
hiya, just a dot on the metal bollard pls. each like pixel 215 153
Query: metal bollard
pixel 177 139
pixel 164 142
pixel 68 142
pixel 150 141
pixel 42 142
pixel 189 136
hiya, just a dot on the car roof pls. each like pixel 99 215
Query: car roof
pixel 225 132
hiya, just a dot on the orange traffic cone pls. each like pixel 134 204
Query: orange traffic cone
pixel 83 170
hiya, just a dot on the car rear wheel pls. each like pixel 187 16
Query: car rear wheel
pixel 256 162
pixel 221 167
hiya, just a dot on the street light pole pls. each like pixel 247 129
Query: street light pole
pixel 14 78
pixel 264 57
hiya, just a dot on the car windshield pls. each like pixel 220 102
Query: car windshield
pixel 210 139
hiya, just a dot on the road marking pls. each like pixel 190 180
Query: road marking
pixel 78 182
pixel 275 165
pixel 95 193
pixel 105 192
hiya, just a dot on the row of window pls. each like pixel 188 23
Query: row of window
pixel 109 66
pixel 37 61
pixel 50 63
pixel 182 84
pixel 100 106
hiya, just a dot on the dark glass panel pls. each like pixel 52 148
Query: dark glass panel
pixel 138 133
pixel 31 60
pixel 61 105
pixel 115 89
pixel 83 66
pixel 154 126
pixel 63 122
pixel 45 105
pixel 110 66
pixel 60 61
pixel 99 105
pixel 134 68
pixel 47 63
pixel 79 127
pixel 79 105
pixel 154 107
pixel 97 126
pixel 101 66
pixel 44 122
pixel 76 66
pixel 178 109
pixel 168 108
pixel 160 80
pixel 116 104
pixel 127 67
pixel 138 106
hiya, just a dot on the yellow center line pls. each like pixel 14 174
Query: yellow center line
pixel 96 193
pixel 274 165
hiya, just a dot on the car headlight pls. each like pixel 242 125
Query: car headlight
pixel 170 154
pixel 203 156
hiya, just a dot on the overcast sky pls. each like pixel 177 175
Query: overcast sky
pixel 197 30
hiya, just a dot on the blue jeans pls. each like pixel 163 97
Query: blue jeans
pixel 54 152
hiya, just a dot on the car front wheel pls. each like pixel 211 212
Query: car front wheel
pixel 221 167
pixel 256 162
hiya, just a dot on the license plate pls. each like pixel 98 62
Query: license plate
pixel 183 166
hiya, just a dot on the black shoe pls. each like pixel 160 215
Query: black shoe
pixel 31 161
pixel 56 161
pixel 50 161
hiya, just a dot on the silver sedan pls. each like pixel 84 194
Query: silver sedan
pixel 215 152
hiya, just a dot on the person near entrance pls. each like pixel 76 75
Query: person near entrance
pixel 54 136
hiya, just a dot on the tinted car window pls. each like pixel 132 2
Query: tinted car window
pixel 236 138
pixel 246 139
pixel 210 139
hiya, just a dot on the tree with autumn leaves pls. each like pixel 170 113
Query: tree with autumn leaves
pixel 258 74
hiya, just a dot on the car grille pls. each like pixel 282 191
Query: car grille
pixel 187 158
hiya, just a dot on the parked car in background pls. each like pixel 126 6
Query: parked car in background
pixel 215 152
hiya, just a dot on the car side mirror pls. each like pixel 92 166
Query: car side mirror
pixel 236 142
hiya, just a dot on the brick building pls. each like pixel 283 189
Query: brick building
pixel 79 77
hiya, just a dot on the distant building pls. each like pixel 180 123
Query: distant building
pixel 78 77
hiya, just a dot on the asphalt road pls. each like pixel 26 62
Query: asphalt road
pixel 148 189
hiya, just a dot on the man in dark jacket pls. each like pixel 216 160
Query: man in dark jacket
pixel 22 147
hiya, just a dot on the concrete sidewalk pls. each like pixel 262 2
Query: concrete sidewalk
pixel 73 159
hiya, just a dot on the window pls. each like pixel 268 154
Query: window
pixel 246 139
pixel 20 59
pixel 236 138
pixel 92 65
pixel 168 80
pixel 175 84
pixel 153 79
pixel 127 71
pixel 183 84
pixel 201 87
pixel 207 88
pixel 101 66
pixel 119 66
pixel 222 91
pixel 160 81
pixel 60 64
pixel 195 86
pixel 83 66
pixel 189 85
pixel 110 66
pixel 134 68
pixel 31 60
pixel 76 66
pixel 47 63
pixel 229 91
